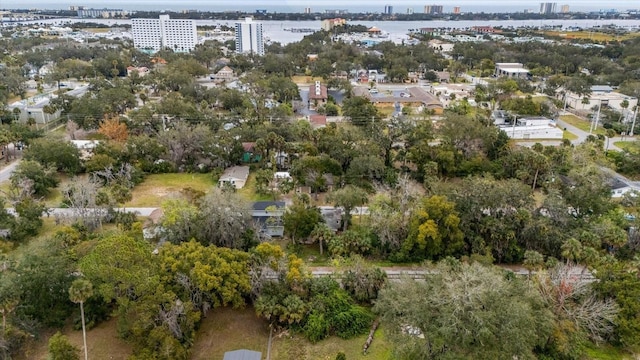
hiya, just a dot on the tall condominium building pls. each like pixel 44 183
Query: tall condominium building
pixel 249 37
pixel 307 10
pixel 547 8
pixel 99 13
pixel 388 9
pixel 433 9
pixel 564 9
pixel 456 10
pixel 178 35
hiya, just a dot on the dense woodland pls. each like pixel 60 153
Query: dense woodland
pixel 452 193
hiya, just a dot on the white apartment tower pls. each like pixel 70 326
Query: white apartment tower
pixel 249 37
pixel 179 35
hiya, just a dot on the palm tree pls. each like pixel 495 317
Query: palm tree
pixel 79 292
pixel 571 250
pixel 590 256
pixel 323 234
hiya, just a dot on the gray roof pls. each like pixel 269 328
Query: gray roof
pixel 263 205
pixel 242 355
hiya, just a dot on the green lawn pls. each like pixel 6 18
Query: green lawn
pixel 159 187
pixel 249 191
pixel 580 123
pixel 569 135
pixel 625 145
pixel 606 352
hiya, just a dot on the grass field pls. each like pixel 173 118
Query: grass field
pixel 625 145
pixel 159 187
pixel 590 35
pixel 102 343
pixel 580 123
pixel 298 79
pixel 569 135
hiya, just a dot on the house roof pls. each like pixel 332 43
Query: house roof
pixel 318 120
pixel 248 146
pixel 321 95
pixel 225 69
pixel 616 184
pixel 242 355
pixel 235 172
pixel 263 205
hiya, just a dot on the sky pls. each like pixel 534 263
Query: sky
pixel 298 5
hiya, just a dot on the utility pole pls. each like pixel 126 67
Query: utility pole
pixel 633 124
pixel 594 124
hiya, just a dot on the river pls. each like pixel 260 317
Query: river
pixel 275 30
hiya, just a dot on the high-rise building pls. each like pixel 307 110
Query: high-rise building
pixel 249 37
pixel 433 9
pixel 307 10
pixel 388 9
pixel 547 8
pixel 456 10
pixel 179 35
pixel 409 11
pixel 99 13
pixel 564 9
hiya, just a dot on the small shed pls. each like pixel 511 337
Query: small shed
pixel 242 355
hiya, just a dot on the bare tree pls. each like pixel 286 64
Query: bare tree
pixel 82 196
pixel 571 298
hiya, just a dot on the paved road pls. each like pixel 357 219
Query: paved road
pixel 582 136
pixel 399 272
pixel 5 173
pixel 142 211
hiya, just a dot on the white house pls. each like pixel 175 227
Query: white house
pixel 235 176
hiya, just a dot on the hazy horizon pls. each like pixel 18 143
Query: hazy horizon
pixel 320 5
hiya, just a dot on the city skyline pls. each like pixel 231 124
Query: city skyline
pixel 300 5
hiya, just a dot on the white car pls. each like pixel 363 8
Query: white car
pixel 373 91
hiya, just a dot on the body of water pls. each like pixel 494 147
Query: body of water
pixel 275 30
pixel 292 6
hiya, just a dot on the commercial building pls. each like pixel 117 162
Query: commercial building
pixel 249 38
pixel 456 10
pixel 514 70
pixel 533 128
pixel 307 10
pixel 388 9
pixel 564 9
pixel 179 35
pixel 100 13
pixel 547 8
pixel 433 9
pixel 329 24
pixel 601 95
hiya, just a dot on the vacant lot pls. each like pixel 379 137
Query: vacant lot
pixel 228 329
pixel 102 343
pixel 157 188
